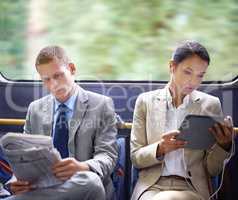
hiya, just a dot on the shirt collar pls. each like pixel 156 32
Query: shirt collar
pixel 69 103
pixel 186 99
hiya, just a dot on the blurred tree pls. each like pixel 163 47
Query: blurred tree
pixel 12 36
pixel 134 39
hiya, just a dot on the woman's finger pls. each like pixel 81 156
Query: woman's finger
pixel 171 134
pixel 217 132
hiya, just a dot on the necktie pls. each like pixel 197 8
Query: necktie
pixel 61 134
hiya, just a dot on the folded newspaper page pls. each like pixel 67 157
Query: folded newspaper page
pixel 31 158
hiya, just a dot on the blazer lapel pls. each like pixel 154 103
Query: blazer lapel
pixel 193 108
pixel 195 103
pixel 48 114
pixel 158 115
pixel 78 116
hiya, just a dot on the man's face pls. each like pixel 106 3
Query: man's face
pixel 58 78
pixel 188 75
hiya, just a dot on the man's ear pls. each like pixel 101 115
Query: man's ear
pixel 72 68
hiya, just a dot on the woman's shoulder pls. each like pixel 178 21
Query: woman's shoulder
pixel 150 95
pixel 203 96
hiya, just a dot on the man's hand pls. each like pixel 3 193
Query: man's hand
pixel 66 168
pixel 18 187
pixel 169 143
pixel 223 133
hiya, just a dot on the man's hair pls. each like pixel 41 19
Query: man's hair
pixel 188 49
pixel 50 53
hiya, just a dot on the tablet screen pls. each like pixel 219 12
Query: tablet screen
pixel 194 130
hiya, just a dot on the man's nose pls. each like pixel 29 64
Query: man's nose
pixel 53 83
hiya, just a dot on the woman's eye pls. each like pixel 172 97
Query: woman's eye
pixel 187 72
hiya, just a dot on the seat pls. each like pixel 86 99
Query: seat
pixel 5 170
pixel 5 175
pixel 118 175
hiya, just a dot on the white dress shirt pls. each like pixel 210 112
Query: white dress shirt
pixel 70 103
pixel 174 163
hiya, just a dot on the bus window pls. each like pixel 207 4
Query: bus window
pixel 117 40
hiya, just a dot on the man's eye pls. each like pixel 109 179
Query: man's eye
pixel 201 76
pixel 57 76
pixel 46 79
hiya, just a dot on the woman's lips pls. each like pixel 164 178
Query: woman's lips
pixel 189 88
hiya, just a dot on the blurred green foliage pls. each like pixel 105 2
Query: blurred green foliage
pixel 12 36
pixel 126 40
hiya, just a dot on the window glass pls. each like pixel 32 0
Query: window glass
pixel 117 40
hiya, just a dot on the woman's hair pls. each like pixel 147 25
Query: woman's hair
pixel 188 49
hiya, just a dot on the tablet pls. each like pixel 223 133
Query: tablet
pixel 194 130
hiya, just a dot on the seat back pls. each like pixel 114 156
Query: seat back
pixel 5 170
pixel 118 175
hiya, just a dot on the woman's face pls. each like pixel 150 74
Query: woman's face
pixel 188 74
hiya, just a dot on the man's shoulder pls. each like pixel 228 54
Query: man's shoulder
pixel 86 95
pixel 96 100
pixel 93 99
pixel 96 96
pixel 42 100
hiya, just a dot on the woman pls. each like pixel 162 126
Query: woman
pixel 167 170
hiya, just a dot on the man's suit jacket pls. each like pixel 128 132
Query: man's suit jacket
pixel 149 125
pixel 92 130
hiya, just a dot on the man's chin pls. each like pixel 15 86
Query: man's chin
pixel 61 97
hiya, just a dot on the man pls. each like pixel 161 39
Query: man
pixel 82 125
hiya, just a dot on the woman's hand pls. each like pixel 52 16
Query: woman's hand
pixel 18 187
pixel 68 167
pixel 169 143
pixel 223 133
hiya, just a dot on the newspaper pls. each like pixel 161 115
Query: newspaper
pixel 3 192
pixel 31 158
